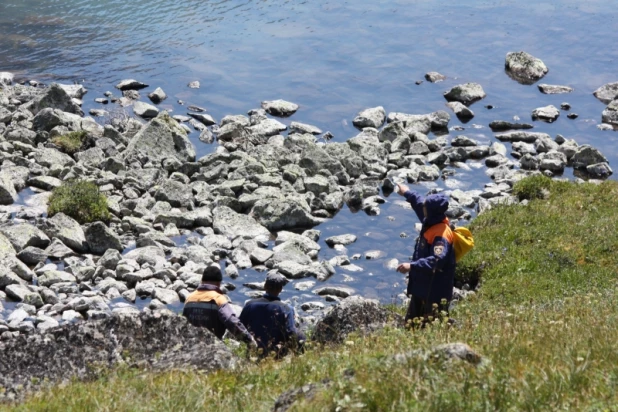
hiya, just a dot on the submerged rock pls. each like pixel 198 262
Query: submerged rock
pixel 130 84
pixel 554 89
pixel 524 68
pixel 434 77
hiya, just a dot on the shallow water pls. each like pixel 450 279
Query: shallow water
pixel 333 59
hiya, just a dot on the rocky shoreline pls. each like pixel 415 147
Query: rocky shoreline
pixel 252 203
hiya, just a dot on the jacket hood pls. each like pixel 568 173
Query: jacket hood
pixel 437 205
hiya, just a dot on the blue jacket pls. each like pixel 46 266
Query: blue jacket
pixel 432 270
pixel 272 324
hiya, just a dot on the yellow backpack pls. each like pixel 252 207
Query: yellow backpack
pixel 463 242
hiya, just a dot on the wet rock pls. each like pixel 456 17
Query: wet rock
pixel 351 315
pixel 231 224
pixel 172 344
pixel 460 110
pixel 373 117
pixel 302 128
pixel 518 136
pixel 610 114
pixel 130 84
pixel 339 291
pixel 157 96
pixel 607 92
pixel 587 155
pixel 205 119
pixel 547 114
pixel 599 170
pixel 467 93
pixel 279 107
pixel 100 238
pixel 340 240
pixel 23 235
pixel 554 89
pixel 67 230
pixel 434 77
pixel 145 110
pixel 524 68
pixel 503 125
pixel 161 138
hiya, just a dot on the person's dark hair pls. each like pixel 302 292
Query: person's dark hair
pixel 212 274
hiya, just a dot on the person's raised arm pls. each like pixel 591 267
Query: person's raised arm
pixel 415 199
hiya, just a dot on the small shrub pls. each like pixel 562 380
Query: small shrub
pixel 80 200
pixel 70 142
pixel 533 187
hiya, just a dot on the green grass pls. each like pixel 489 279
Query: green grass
pixel 80 200
pixel 544 320
pixel 71 142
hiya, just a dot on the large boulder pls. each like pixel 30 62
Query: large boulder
pixel 6 248
pixel 231 224
pixel 67 230
pixel 279 214
pixel 175 193
pixel 8 194
pixel 159 340
pixel 100 238
pixel 23 235
pixel 524 68
pixel 55 97
pixel 49 118
pixel 587 155
pixel 353 314
pixel 160 139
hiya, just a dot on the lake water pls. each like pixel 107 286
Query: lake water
pixel 333 58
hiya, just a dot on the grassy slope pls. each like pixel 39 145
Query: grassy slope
pixel 545 320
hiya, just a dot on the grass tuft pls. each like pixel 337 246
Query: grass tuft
pixel 71 142
pixel 80 200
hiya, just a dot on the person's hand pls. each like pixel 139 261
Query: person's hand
pixel 403 268
pixel 401 188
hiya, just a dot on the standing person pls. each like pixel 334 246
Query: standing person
pixel 209 307
pixel 432 269
pixel 272 321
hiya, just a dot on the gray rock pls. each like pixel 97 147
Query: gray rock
pixel 55 97
pixel 67 230
pixel 161 138
pixel 22 293
pixel 175 193
pixel 51 277
pixel 157 96
pixel 279 107
pixel 266 128
pixel 76 91
pixel 610 114
pixel 302 128
pixel 354 314
pixel 145 110
pixel 58 250
pixel 231 224
pixel 100 238
pixel 340 240
pixel 23 235
pixel 110 259
pixel 373 117
pixel 32 255
pixel 519 136
pixel 524 68
pixel 554 89
pixel 599 170
pixel 547 114
pixel 461 110
pixel 467 93
pixel 434 77
pixel 8 194
pixel 52 158
pixel 150 254
pixel 166 296
pixel 6 78
pixel 205 119
pixel 44 182
pixel 130 84
pixel 503 125
pixel 585 156
pixel 607 92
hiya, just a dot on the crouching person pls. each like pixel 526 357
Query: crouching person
pixel 209 307
pixel 271 321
